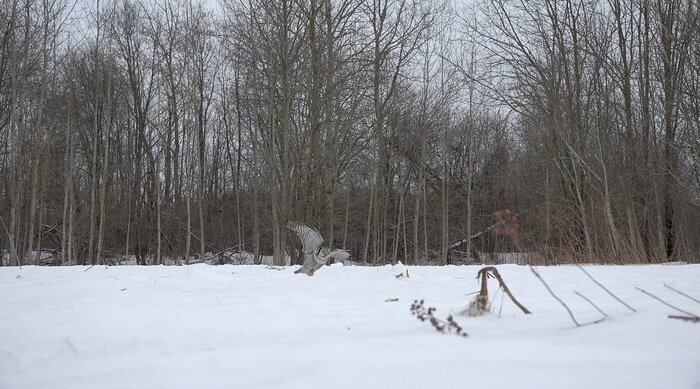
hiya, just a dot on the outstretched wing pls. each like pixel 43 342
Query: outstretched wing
pixel 311 239
pixel 339 255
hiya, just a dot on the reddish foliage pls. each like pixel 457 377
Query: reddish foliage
pixel 506 223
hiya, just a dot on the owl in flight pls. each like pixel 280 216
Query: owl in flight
pixel 315 256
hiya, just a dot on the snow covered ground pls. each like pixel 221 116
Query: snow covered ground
pixel 228 326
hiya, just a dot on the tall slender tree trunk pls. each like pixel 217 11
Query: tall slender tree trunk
pixel 159 228
pixel 200 193
pixel 188 195
pixel 105 175
pixel 36 138
pixel 68 182
pixel 238 181
pixel 347 218
pixel 17 98
pixel 95 135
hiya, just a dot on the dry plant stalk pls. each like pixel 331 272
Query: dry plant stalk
pixel 690 316
pixel 592 303
pixel 685 318
pixel 448 326
pixel 480 305
pixel 571 314
pixel 605 289
pixel 402 275
pixel 682 293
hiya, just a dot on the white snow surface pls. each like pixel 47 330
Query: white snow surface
pixel 228 326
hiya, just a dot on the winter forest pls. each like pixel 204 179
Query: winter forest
pixel 278 138
pixel 401 129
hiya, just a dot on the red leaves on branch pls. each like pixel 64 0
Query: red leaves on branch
pixel 506 223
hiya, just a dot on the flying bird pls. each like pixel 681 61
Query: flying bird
pixel 315 256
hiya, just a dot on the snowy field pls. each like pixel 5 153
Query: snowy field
pixel 229 327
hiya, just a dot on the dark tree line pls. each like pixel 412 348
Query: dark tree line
pixel 169 129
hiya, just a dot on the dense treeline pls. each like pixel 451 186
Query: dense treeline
pixel 170 128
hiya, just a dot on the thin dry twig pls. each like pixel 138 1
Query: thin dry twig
pixel 605 289
pixel 592 303
pixel 12 246
pixel 537 274
pixel 685 318
pixel 681 293
pixel 666 303
pixel 571 314
pixel 449 325
pixel 500 309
